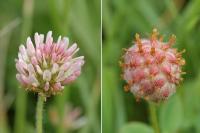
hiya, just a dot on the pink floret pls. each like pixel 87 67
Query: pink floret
pixel 46 66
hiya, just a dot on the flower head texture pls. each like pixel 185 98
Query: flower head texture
pixel 47 66
pixel 152 68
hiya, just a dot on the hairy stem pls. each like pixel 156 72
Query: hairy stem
pixel 39 111
pixel 153 117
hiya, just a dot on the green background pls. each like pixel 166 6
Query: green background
pixel 121 20
pixel 80 21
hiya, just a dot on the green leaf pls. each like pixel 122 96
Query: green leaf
pixel 136 127
pixel 190 93
pixel 171 115
pixel 197 124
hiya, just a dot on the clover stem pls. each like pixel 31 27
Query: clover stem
pixel 39 110
pixel 153 117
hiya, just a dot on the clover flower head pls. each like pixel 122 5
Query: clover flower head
pixel 46 66
pixel 152 68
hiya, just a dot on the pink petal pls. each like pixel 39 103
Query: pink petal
pixel 47 75
pixel 20 68
pixel 33 81
pixel 65 66
pixel 18 76
pixel 46 87
pixel 71 49
pixel 31 69
pixel 39 70
pixel 59 39
pixel 30 47
pixel 49 38
pixel 39 55
pixel 58 86
pixel 69 79
pixel 54 57
pixel 25 79
pixel 60 76
pixel 44 62
pixel 66 41
pixel 23 52
pixel 41 38
pixel 37 39
pixel 34 60
pixel 55 68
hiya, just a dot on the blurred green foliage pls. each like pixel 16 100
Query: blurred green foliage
pixel 121 20
pixel 80 21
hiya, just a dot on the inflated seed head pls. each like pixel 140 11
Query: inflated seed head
pixel 152 68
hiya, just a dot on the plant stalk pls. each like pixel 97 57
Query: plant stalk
pixel 39 110
pixel 153 117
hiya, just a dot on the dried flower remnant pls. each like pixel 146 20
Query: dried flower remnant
pixel 71 119
pixel 152 68
pixel 46 67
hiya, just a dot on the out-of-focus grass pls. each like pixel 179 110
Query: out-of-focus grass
pixel 4 103
pixel 121 20
pixel 80 21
